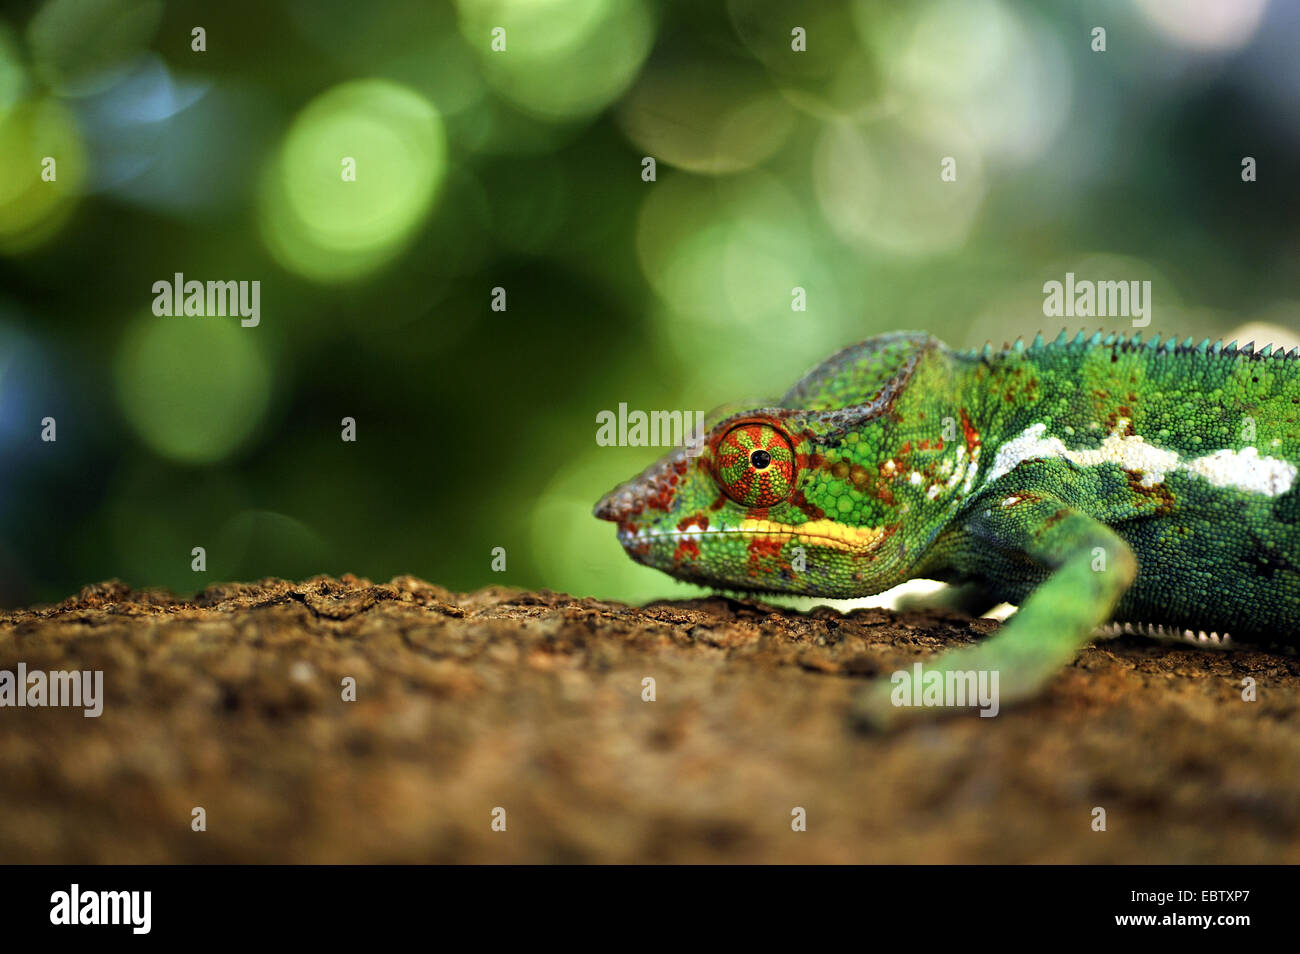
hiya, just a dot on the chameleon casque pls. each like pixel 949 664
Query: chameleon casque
pixel 1087 480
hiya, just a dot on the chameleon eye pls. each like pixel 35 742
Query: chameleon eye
pixel 755 465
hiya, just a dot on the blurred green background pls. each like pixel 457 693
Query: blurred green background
pixel 522 170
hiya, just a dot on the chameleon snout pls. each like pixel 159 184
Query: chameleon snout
pixel 655 490
pixel 617 505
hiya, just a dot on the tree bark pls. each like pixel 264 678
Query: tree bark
pixel 534 702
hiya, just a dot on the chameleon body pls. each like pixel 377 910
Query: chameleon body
pixel 1084 480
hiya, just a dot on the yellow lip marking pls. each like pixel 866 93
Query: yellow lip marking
pixel 826 533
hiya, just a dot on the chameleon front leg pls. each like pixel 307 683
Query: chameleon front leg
pixel 1090 569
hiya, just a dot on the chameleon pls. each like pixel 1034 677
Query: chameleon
pixel 1094 482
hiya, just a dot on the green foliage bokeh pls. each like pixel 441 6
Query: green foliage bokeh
pixel 522 169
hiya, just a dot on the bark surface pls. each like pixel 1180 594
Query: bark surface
pixel 532 702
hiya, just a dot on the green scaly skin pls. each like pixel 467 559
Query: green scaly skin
pixel 1084 481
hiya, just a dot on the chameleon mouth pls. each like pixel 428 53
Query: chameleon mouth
pixel 823 533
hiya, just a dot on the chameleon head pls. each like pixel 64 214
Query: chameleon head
pixel 777 500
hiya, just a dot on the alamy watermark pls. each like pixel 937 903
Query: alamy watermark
pixel 953 688
pixel 75 906
pixel 651 429
pixel 209 299
pixel 1105 299
pixel 78 689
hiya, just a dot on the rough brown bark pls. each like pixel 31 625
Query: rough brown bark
pixel 533 702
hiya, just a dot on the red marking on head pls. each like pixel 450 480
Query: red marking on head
pixel 661 499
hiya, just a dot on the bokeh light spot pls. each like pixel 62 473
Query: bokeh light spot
pixel 727 252
pixel 879 184
pixel 1005 77
pixel 1205 24
pixel 719 119
pixel 328 228
pixel 193 388
pixel 563 59
pixel 32 208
